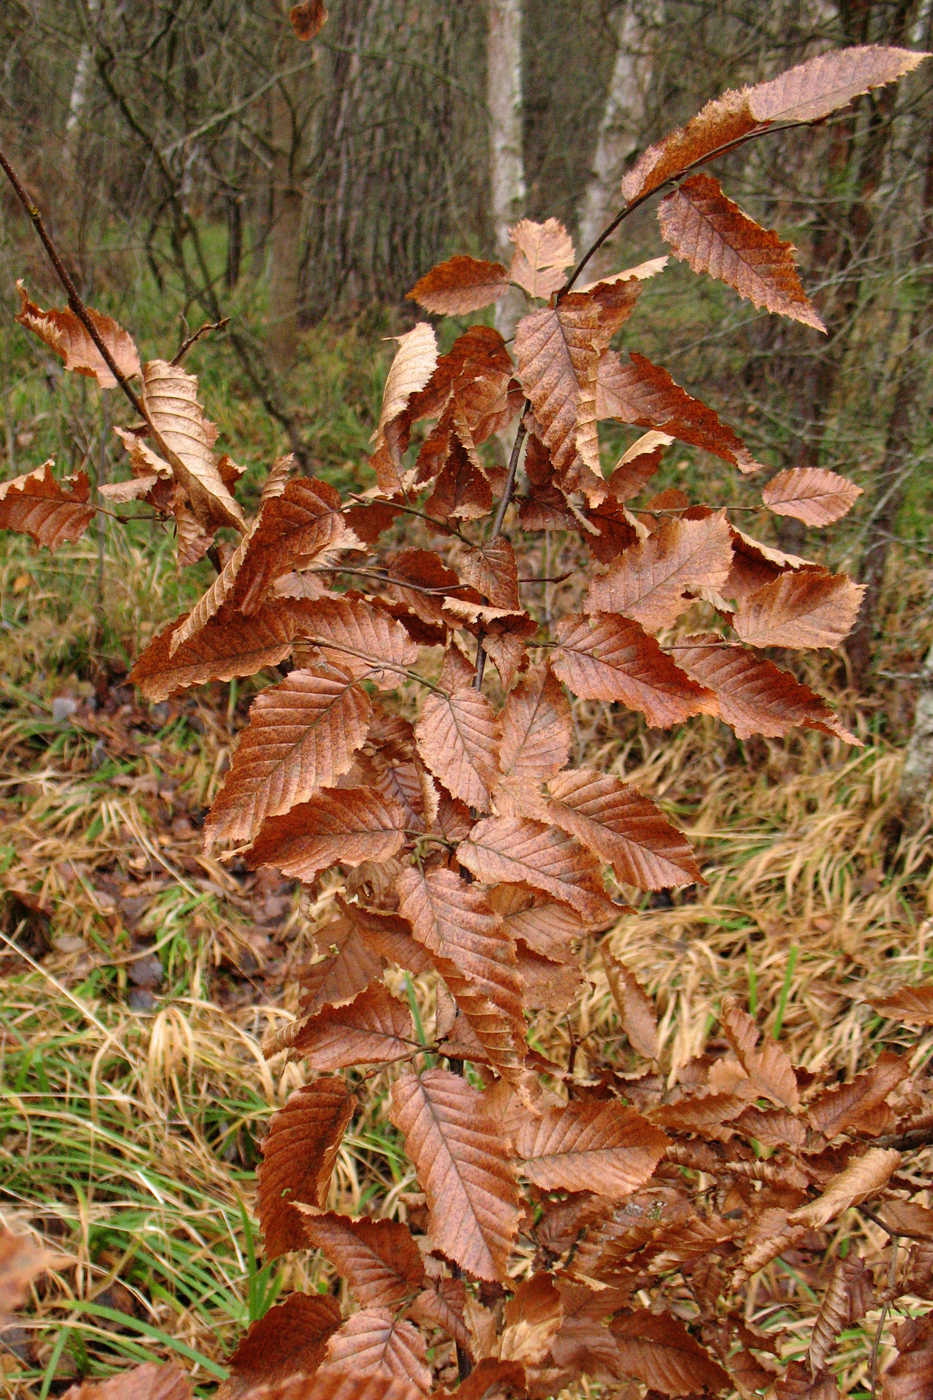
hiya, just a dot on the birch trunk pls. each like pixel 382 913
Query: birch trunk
pixel 915 792
pixel 506 159
pixel 620 129
pixel 79 86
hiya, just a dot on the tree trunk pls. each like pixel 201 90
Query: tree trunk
pixel 506 159
pixel 915 792
pixel 620 129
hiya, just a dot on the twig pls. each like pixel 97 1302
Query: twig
pixel 192 339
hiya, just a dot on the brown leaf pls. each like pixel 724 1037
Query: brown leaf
pixel 186 440
pixel 308 19
pixel 847 1107
pixel 810 494
pixel 600 1147
pixel 150 1381
pixel 342 826
pixel 492 570
pixel 637 465
pixel 754 696
pixel 474 955
pixel 533 1317
pixel 410 371
pixel 301 737
pixel 463 1166
pixel 639 1020
pixel 537 728
pixel 649 581
pixel 557 352
pixel 515 850
pixel 458 737
pixel 798 1383
pixel 378 1258
pixel 63 332
pixel 21 1261
pixel 228 646
pixel 910 1375
pixel 542 251
pixel 359 638
pixel 548 928
pixel 606 657
pixel 287 1340
pixel 724 120
pixel 333 1382
pixel 845 1301
pixel 376 1341
pixel 713 235
pixel 768 1066
pixel 623 828
pixel 299 1152
pixel 49 511
pixel 912 1005
pixel 373 1028
pixel 809 608
pixel 462 491
pixel 863 1176
pixel 831 80
pixel 459 286
pixel 644 394
pixel 659 1350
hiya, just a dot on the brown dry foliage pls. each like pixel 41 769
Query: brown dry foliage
pixel 549 1194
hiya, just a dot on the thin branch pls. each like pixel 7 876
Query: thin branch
pixel 192 339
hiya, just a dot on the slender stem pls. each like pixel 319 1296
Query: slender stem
pixel 192 339
pixel 74 300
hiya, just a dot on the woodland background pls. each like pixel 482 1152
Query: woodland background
pixel 195 163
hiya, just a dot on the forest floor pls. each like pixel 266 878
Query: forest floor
pixel 141 976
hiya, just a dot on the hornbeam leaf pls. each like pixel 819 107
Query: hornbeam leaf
pixel 542 251
pixel 50 511
pixel 459 286
pixel 377 1341
pixel 637 465
pixel 462 1163
pixel 533 1317
pixel 658 1350
pixel 492 570
pixel 410 371
pixel 606 657
pixel 227 646
pixel 516 850
pixel 547 927
pixel 860 1179
pixel 713 235
pixel 151 1381
pixel 912 1005
pixel 557 352
pixel 458 737
pixel 339 1383
pixel 755 696
pixel 473 953
pixel 307 19
pixel 810 494
pixel 63 332
pixel 342 826
pixel 186 440
pixel 361 639
pixel 286 1341
pixel 854 1106
pixel 649 580
pixel 809 608
pixel 803 94
pixel 378 1258
pixel 299 1152
pixel 623 828
pixel 847 1298
pixel 767 1066
pixel 600 1147
pixel 635 1007
pixel 831 80
pixel 537 728
pixel 374 1028
pixel 301 737
pixel 644 394
pixel 910 1373
pixel 462 491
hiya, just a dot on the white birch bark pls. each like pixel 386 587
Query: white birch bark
pixel 79 86
pixel 506 159
pixel 915 792
pixel 620 129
